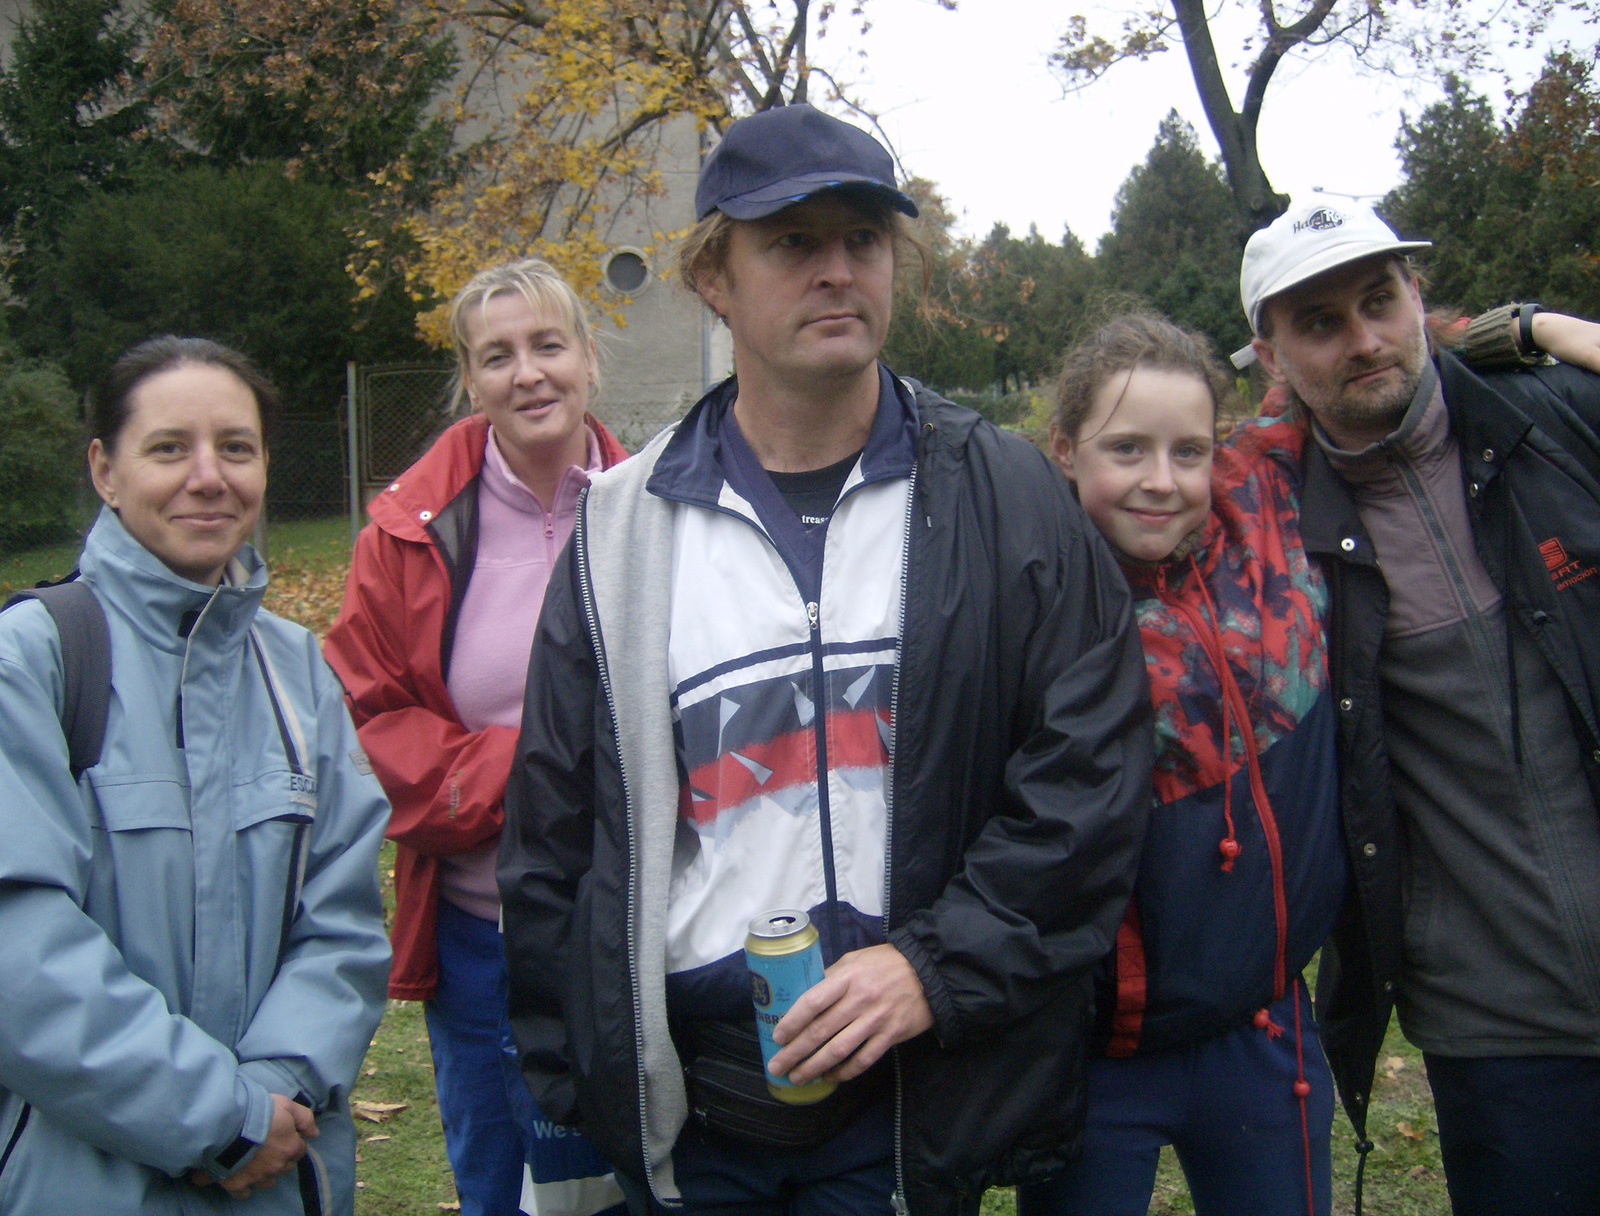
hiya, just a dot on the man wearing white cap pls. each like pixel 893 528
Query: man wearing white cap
pixel 1457 521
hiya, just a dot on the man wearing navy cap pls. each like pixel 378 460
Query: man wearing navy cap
pixel 830 644
pixel 1457 519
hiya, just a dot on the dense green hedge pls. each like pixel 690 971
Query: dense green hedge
pixel 41 457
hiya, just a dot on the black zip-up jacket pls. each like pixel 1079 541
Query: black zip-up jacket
pixel 1530 460
pixel 1020 790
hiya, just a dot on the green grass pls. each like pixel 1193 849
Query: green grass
pixel 19 570
pixel 407 1173
pixel 400 1164
pixel 401 1168
pixel 317 543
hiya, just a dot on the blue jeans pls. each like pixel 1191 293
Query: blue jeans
pixel 1227 1105
pixel 1520 1135
pixel 492 1126
pixel 850 1175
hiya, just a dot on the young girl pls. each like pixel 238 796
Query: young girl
pixel 1206 1039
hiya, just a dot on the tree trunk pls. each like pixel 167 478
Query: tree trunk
pixel 1257 202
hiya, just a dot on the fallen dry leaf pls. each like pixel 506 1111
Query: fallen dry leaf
pixel 370 1139
pixel 1394 1063
pixel 450 1207
pixel 310 595
pixel 376 1112
pixel 372 1072
pixel 1409 1132
pixel 1416 1171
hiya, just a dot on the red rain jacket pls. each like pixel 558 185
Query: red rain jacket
pixel 389 647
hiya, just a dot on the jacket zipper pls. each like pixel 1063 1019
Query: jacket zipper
pixel 888 825
pixel 819 722
pixel 586 591
pixel 1475 622
pixel 16 1134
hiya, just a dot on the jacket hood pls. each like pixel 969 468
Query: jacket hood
pixel 406 506
pixel 155 600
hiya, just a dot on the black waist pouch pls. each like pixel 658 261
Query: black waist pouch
pixel 728 1093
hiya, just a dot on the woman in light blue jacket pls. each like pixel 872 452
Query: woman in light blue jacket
pixel 192 950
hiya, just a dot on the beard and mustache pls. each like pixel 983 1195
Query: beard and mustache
pixel 1347 409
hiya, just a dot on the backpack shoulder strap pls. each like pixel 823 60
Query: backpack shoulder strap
pixel 85 665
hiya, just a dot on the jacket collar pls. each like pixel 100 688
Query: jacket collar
pixel 155 601
pixel 1486 426
pixel 693 467
pixel 406 506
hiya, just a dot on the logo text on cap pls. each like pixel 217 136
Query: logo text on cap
pixel 1320 220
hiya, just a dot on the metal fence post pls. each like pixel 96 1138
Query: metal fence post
pixel 354 440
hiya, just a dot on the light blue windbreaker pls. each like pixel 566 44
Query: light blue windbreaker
pixel 145 1017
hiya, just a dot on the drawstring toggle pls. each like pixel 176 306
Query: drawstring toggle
pixel 1263 1021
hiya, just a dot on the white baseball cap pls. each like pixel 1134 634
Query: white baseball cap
pixel 1313 236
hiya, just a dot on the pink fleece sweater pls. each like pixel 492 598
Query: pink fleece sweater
pixel 518 543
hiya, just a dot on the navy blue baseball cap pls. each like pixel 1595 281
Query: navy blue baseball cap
pixel 776 158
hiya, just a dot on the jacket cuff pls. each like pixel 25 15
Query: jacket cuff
pixel 252 1135
pixel 276 1077
pixel 946 1022
pixel 1492 341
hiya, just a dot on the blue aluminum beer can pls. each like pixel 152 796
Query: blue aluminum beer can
pixel 785 958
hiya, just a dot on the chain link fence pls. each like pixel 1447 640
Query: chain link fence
pixel 399 409
pixel 308 468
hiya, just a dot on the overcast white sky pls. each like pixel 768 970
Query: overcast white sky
pixel 969 101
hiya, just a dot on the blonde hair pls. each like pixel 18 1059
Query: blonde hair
pixel 546 292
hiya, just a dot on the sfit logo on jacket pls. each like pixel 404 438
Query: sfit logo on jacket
pixel 1565 570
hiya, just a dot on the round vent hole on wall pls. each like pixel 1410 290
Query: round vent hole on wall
pixel 626 272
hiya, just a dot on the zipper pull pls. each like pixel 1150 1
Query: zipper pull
pixel 812 615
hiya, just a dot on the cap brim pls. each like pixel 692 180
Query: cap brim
pixel 1328 259
pixel 769 200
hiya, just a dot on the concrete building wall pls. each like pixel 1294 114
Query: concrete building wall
pixel 671 347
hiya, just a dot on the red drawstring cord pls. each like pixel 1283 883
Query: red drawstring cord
pixel 1229 846
pixel 1212 644
pixel 1302 1089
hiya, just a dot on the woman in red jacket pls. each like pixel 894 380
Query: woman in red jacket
pixel 432 644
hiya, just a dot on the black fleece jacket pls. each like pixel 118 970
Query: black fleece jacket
pixel 1530 461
